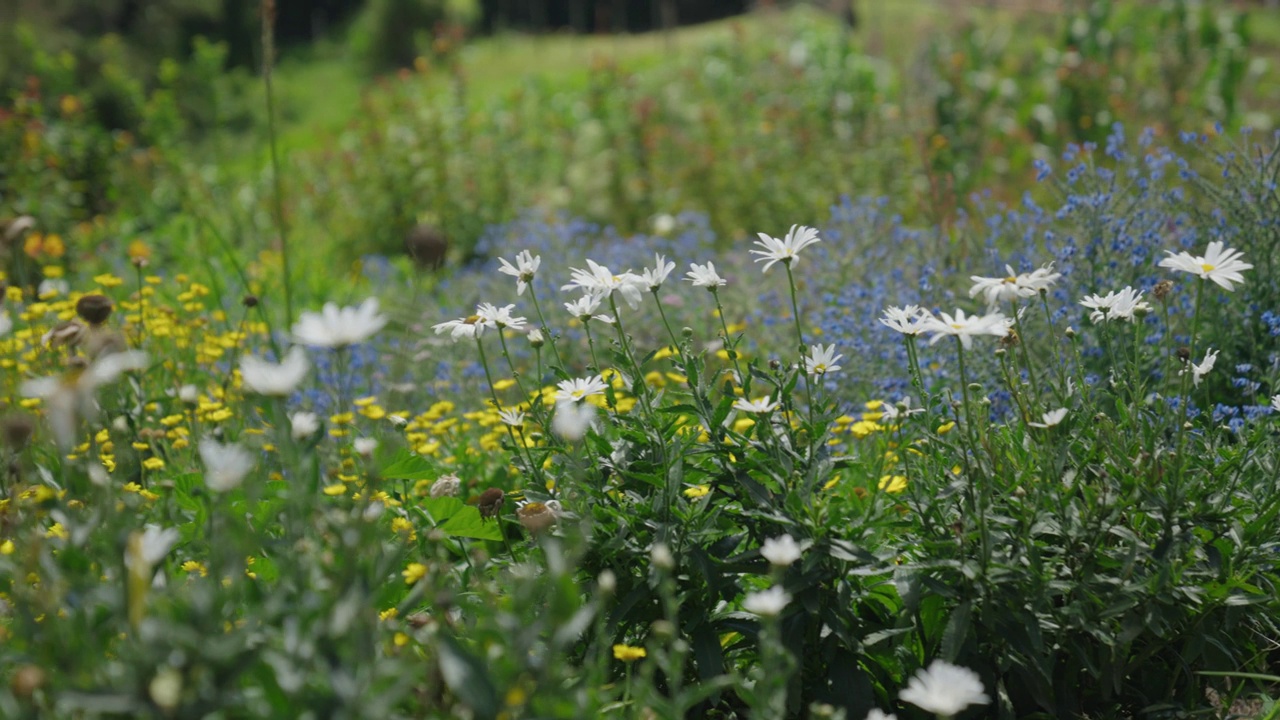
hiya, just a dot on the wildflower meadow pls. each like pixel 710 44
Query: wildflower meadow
pixel 1014 457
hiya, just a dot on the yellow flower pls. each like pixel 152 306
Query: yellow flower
pixel 56 531
pixel 414 572
pixel 697 491
pixel 626 653
pixel 893 483
pixel 946 427
pixel 402 526
pixel 191 567
pixel 388 614
pixel 153 463
pixel 6 548
pixel 107 280
pixel 335 489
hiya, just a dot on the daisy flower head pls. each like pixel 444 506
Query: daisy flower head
pixel 523 271
pixel 780 551
pixel 944 689
pixel 225 466
pixel 1219 263
pixel 601 281
pixel 335 327
pixel 584 308
pixel 572 420
pixel 274 379
pixel 513 418
pixel 966 327
pixel 704 276
pixel 1125 304
pixel 1051 418
pixel 303 425
pixel 1013 286
pixel 909 320
pixel 822 360
pixel 760 405
pixel 154 542
pixel 786 250
pixel 1275 403
pixel 578 389
pixel 654 277
pixel 71 398
pixel 499 317
pixel 767 603
pixel 472 326
pixel 1198 371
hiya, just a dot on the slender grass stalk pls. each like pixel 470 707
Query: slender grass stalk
pixel 268 59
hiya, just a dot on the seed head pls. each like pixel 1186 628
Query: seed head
pixel 94 309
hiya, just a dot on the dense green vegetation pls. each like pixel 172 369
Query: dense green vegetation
pixel 990 432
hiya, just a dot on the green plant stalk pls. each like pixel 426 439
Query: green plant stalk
pixel 795 315
pixel 268 59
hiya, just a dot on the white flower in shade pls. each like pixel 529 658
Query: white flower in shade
pixel 365 446
pixel 572 420
pixel 1013 286
pixel 704 276
pixel 514 418
pixel 499 317
pixel 663 224
pixel 909 320
pixel 1219 264
pixel 525 268
pixel 878 714
pixel 660 555
pixel 6 323
pixel 1123 304
pixel 1051 418
pixel 71 398
pixel 536 338
pixel 780 551
pixel 1275 403
pixel 654 277
pixel 154 542
pixel 966 327
pixel 944 689
pixel 821 360
pixel 767 603
pixel 1199 371
pixel 579 389
pixel 601 281
pixel 225 466
pixel 760 405
pixel 787 250
pixel 893 412
pixel 303 425
pixel 335 327
pixel 446 486
pixel 278 380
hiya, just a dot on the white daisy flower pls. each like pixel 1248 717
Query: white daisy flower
pixel 944 689
pixel 909 320
pixel 760 405
pixel 225 466
pixel 584 307
pixel 154 542
pixel 335 327
pixel 600 280
pixel 514 418
pixel 472 326
pixel 446 486
pixel 767 603
pixel 787 250
pixel 1219 264
pixel 71 398
pixel 704 276
pixel 1275 403
pixel 579 389
pixel 572 420
pixel 966 327
pixel 277 380
pixel 780 551
pixel 365 446
pixel 655 276
pixel 1124 304
pixel 878 714
pixel 892 412
pixel 499 317
pixel 303 425
pixel 821 360
pixel 1051 418
pixel 525 268
pixel 1013 286
pixel 1202 369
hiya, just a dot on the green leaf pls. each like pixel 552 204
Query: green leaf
pixel 407 466
pixel 466 677
pixel 440 509
pixel 957 630
pixel 467 523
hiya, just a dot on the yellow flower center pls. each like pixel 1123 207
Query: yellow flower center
pixel 1207 267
